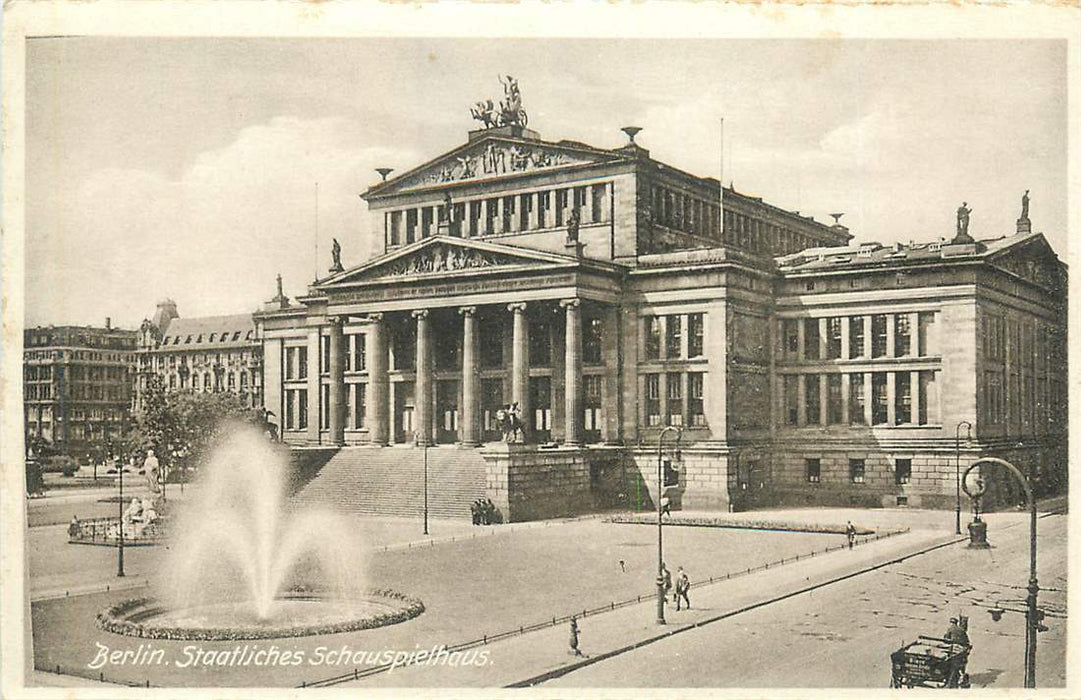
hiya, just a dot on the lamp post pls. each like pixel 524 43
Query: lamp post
pixel 120 526
pixel 425 489
pixel 1032 613
pixel 660 532
pixel 957 446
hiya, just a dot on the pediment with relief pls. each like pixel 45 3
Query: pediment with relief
pixel 491 158
pixel 440 256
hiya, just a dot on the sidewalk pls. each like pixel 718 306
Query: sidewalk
pixel 546 651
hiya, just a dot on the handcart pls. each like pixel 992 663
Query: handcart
pixel 930 662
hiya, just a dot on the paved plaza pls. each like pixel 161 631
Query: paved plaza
pixel 851 604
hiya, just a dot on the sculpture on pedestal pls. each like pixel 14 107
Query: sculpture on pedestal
pixel 336 254
pixel 1024 206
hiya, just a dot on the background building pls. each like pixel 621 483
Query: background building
pixel 77 384
pixel 205 354
pixel 610 295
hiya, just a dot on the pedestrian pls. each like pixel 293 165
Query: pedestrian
pixel 73 527
pixel 683 587
pixel 666 506
pixel 850 532
pixel 574 638
pixel 622 566
pixel 666 579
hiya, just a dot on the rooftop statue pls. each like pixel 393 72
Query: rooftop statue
pixel 963 212
pixel 336 254
pixel 1024 206
pixel 510 112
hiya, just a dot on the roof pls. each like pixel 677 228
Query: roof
pixel 873 254
pixel 208 332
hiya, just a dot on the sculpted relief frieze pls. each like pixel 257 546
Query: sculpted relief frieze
pixel 493 159
pixel 444 258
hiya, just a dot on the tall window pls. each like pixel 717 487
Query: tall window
pixel 811 393
pixel 902 335
pixel 359 358
pixel 856 471
pixel 653 337
pixel 833 399
pixel 296 364
pixel 540 343
pixel 592 342
pixel 813 469
pixel 855 336
pixel 791 399
pixel 359 405
pixel 856 399
pixel 902 471
pixel 491 343
pixel 653 399
pixel 833 338
pixel 878 335
pixel 879 399
pixel 696 398
pixel 903 397
pixel 324 407
pixel 810 338
pixel 675 398
pixel 324 354
pixel 791 336
pixel 696 334
pixel 592 392
pixel 673 343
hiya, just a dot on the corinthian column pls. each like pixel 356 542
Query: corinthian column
pixel 572 389
pixel 423 384
pixel 469 435
pixel 520 366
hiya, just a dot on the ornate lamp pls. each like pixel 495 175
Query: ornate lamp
pixel 631 132
pixel 383 172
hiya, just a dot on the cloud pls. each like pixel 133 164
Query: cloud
pixel 214 237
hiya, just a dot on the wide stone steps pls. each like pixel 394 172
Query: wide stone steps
pixel 390 481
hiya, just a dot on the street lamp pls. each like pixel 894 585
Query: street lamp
pixel 660 532
pixel 1032 613
pixel 957 445
pixel 120 525
pixel 425 489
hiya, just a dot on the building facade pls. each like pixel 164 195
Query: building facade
pixel 77 384
pixel 210 354
pixel 609 295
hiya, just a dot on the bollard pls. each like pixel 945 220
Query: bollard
pixel 58 669
pixel 485 639
pixel 101 677
pixel 304 684
pixel 147 682
pixel 356 674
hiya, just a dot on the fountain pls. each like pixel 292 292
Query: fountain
pixel 242 565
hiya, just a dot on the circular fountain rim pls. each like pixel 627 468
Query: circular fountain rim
pixel 115 619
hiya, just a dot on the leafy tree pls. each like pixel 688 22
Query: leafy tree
pixel 180 426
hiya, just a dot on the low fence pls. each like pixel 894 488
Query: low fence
pixel 105 532
pixel 89 674
pixel 358 673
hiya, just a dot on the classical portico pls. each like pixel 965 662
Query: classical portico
pixel 425 345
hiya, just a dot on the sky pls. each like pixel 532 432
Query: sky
pixel 187 168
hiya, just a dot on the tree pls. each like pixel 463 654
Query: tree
pixel 180 426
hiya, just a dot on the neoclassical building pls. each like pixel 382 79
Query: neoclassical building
pixel 611 295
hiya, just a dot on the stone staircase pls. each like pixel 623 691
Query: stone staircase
pixel 390 481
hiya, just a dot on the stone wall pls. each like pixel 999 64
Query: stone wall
pixel 529 483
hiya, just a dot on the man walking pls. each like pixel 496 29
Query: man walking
pixel 683 587
pixel 850 532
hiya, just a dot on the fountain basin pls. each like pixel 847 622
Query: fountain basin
pixel 293 615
